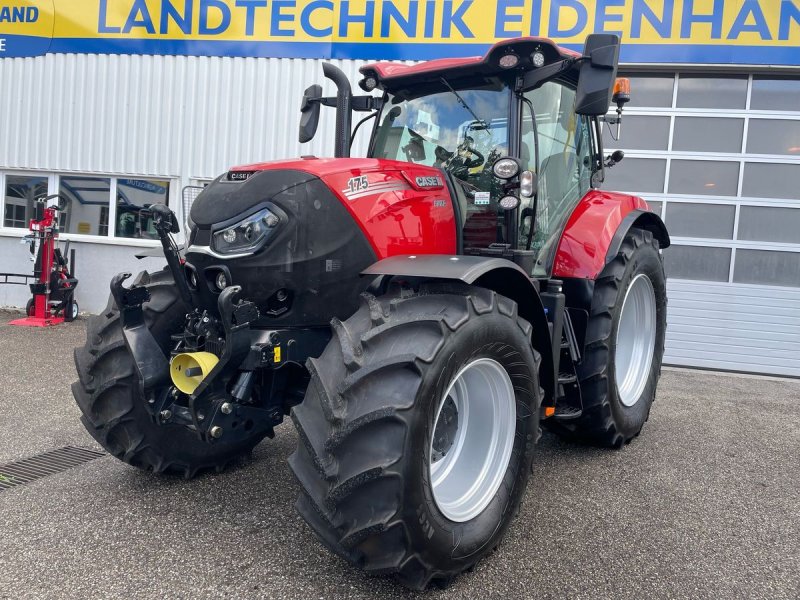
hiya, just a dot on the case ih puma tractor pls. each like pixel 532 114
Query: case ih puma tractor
pixel 419 313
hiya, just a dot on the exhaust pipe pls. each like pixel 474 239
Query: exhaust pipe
pixel 343 109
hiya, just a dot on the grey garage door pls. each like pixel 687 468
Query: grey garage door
pixel 718 156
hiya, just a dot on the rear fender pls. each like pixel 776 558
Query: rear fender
pixel 595 231
pixel 641 219
pixel 497 274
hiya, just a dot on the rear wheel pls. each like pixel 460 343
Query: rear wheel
pixel 417 431
pixel 624 345
pixel 114 411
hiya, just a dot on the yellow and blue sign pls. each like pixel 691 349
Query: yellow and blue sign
pixel 684 31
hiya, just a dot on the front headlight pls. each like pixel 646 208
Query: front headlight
pixel 248 235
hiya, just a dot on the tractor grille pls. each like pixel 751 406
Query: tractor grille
pixel 42 465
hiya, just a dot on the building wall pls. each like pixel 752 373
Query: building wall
pixel 734 286
pixel 180 119
pixel 718 156
pixel 95 265
pixel 166 116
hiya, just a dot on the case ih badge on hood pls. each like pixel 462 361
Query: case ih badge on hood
pixel 419 312
pixel 429 181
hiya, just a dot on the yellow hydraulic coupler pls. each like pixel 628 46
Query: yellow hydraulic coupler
pixel 188 370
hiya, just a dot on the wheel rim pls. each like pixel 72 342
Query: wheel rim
pixel 636 340
pixel 472 441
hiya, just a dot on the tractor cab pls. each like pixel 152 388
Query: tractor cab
pixel 516 133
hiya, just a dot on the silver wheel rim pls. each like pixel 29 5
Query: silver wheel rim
pixel 473 435
pixel 636 340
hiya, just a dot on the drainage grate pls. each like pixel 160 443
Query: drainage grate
pixel 42 465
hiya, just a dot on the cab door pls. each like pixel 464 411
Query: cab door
pixel 557 145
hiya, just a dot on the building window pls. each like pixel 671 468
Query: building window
pixel 706 177
pixel 767 267
pixel 654 90
pixel 697 262
pixel 712 91
pixel 88 208
pixel 14 216
pixel 775 93
pixel 85 199
pixel 637 175
pixel 134 198
pixel 640 133
pixel 768 180
pixel 700 220
pixel 708 134
pixel 770 224
pixel 774 136
pixel 21 193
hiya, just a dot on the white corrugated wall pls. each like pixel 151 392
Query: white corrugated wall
pixel 733 327
pixel 178 116
pixel 193 117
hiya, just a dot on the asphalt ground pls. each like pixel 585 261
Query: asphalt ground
pixel 704 504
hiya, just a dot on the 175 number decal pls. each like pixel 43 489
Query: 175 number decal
pixel 357 184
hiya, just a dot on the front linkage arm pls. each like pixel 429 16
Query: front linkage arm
pixel 152 364
pixel 166 223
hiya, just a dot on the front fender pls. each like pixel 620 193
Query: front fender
pixel 596 229
pixel 497 274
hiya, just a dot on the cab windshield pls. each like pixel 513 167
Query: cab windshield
pixel 460 131
pixel 463 132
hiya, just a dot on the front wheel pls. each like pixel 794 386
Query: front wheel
pixel 417 431
pixel 109 395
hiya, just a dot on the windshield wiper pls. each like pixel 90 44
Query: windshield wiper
pixel 465 105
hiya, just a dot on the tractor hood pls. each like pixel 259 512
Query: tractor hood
pixel 400 207
pixel 229 197
pixel 329 219
pixel 246 186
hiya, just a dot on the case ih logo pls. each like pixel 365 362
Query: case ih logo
pixel 429 181
pixel 239 175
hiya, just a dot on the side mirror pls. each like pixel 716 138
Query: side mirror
pixel 309 113
pixel 597 75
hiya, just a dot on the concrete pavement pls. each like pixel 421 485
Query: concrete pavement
pixel 705 503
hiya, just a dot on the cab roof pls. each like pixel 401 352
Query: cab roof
pixel 391 75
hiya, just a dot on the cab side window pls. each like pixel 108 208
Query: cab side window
pixel 564 166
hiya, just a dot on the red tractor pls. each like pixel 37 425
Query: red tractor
pixel 419 313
